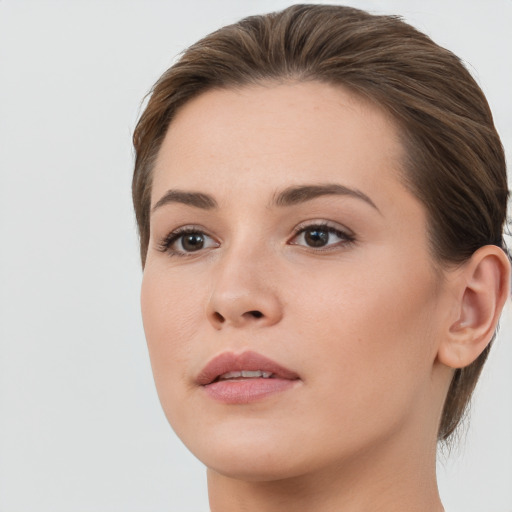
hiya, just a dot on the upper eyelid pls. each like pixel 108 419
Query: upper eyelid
pixel 187 228
pixel 323 224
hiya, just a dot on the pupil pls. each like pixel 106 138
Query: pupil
pixel 316 237
pixel 193 242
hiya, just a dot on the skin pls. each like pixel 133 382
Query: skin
pixel 361 322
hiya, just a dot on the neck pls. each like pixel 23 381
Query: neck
pixel 382 480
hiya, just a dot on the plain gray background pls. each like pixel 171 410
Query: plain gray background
pixel 80 425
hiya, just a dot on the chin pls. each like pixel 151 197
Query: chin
pixel 255 467
pixel 251 454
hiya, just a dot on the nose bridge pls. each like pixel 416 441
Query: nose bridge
pixel 244 291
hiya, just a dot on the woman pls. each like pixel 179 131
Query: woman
pixel 321 196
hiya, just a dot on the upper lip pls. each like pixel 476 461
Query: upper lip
pixel 252 361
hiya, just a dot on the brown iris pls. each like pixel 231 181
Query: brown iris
pixel 192 241
pixel 316 237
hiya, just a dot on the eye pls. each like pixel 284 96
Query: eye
pixel 318 236
pixel 187 240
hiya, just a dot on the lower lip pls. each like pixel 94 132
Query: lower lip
pixel 246 391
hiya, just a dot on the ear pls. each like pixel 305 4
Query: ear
pixel 481 290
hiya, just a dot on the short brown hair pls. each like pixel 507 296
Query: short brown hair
pixel 455 161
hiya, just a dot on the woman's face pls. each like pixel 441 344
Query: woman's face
pixel 280 230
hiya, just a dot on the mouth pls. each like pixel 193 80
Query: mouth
pixel 247 365
pixel 244 378
pixel 244 374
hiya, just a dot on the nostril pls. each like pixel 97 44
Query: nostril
pixel 256 314
pixel 218 317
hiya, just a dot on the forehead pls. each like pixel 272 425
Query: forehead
pixel 278 134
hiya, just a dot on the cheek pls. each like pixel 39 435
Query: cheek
pixel 372 335
pixel 170 315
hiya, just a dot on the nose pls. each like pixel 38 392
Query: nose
pixel 244 295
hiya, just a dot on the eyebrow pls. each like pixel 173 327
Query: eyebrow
pixel 288 197
pixel 196 199
pixel 300 194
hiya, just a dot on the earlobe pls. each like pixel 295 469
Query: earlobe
pixel 482 290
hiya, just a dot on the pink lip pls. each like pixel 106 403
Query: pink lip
pixel 246 390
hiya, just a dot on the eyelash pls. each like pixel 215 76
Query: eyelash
pixel 347 238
